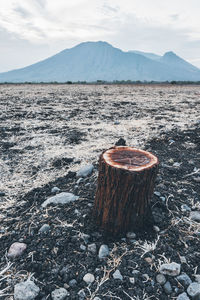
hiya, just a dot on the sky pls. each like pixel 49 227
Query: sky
pixel 32 30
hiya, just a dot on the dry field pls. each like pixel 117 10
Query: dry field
pixel 47 133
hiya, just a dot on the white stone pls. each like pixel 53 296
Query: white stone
pixel 85 171
pixel 131 235
pixel 103 251
pixel 160 278
pixel 44 229
pixel 193 290
pixel 26 290
pixel 195 216
pixel 89 278
pixel 183 296
pixel 92 248
pixel 117 275
pixel 132 280
pixel 172 269
pixel 62 198
pixel 184 279
pixel 59 294
pixel 156 228
pixel 16 249
pixel 55 189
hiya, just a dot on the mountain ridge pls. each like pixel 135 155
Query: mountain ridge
pixel 92 61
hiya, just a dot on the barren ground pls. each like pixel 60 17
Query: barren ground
pixel 47 133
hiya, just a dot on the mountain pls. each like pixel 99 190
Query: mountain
pixel 146 54
pixel 91 61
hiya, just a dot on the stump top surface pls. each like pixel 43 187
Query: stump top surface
pixel 129 158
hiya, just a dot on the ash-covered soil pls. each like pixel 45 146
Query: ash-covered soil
pixel 48 132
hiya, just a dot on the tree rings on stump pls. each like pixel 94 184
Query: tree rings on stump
pixel 125 186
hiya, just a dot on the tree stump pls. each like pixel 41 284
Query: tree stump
pixel 125 186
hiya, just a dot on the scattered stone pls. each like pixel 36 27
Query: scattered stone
pixel 172 269
pixel 85 171
pixel 157 193
pixel 2 194
pixel 197 278
pixel 132 280
pixel 167 288
pixel 184 279
pixel 183 296
pixel 156 228
pixel 85 237
pixel 92 248
pixel 62 198
pixel 89 278
pixel 117 275
pixel 161 279
pixel 148 260
pixel 82 247
pixel 131 235
pixel 183 259
pixel 103 251
pixel 176 165
pixel 55 190
pixel 72 282
pixel 97 298
pixel 116 123
pixel 195 216
pixel 16 249
pixel 185 208
pixel 163 199
pixel 26 290
pixel 59 294
pixel 44 229
pixel 193 290
pixel 79 180
pixel 120 142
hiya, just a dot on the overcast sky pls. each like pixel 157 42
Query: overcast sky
pixel 31 30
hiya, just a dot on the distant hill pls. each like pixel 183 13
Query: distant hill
pixel 91 61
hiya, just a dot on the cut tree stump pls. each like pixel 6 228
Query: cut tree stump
pixel 125 186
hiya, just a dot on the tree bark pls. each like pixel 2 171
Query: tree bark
pixel 125 186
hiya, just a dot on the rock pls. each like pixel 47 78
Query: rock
pixel 55 190
pixel 72 282
pixel 92 248
pixel 197 278
pixel 116 123
pixel 184 279
pixel 185 208
pixel 193 290
pixel 120 142
pixel 167 288
pixel 172 269
pixel 117 275
pixel 132 280
pixel 89 278
pixel 183 296
pixel 156 228
pixel 81 294
pixel 176 165
pixel 62 198
pixel 59 294
pixel 82 247
pixel 195 216
pixel 97 298
pixel 79 180
pixel 131 235
pixel 26 290
pixel 44 229
pixel 85 171
pixel 161 279
pixel 157 193
pixel 2 194
pixel 85 237
pixel 16 249
pixel 103 251
pixel 183 259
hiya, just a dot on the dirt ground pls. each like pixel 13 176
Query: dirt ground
pixel 48 132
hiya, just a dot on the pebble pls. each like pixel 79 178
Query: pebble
pixel 117 275
pixel 72 282
pixel 103 251
pixel 55 190
pixel 82 294
pixel 89 278
pixel 172 269
pixel 26 290
pixel 82 247
pixel 59 294
pixel 197 278
pixel 116 123
pixel 185 208
pixel 183 296
pixel 184 279
pixel 176 165
pixel 131 235
pixel 2 194
pixel 156 228
pixel 79 180
pixel 161 279
pixel 157 193
pixel 44 229
pixel 97 298
pixel 16 249
pixel 132 280
pixel 85 171
pixel 195 216
pixel 193 290
pixel 92 248
pixel 183 259
pixel 167 288
pixel 62 198
pixel 85 237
